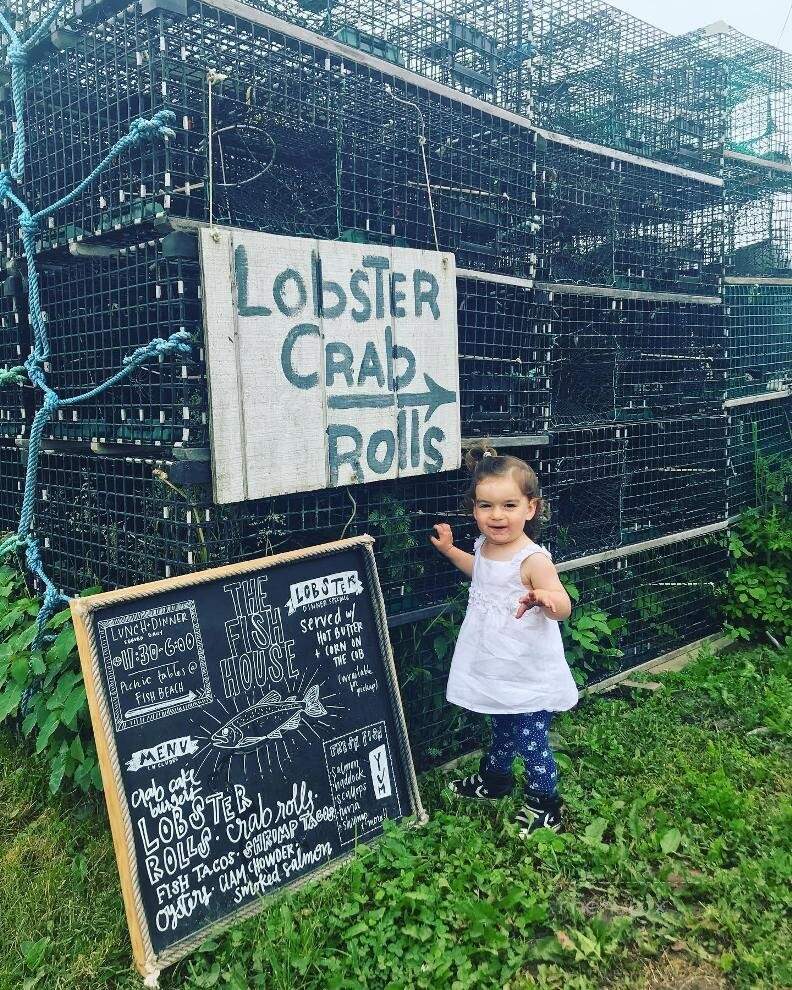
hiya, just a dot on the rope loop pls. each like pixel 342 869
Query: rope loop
pixel 50 401
pixel 178 342
pixel 6 184
pixel 17 54
pixel 27 222
pixel 159 125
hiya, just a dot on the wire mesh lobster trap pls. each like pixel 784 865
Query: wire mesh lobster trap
pixel 482 48
pixel 755 91
pixel 654 600
pixel 758 219
pixel 675 477
pixel 758 321
pixel 613 222
pixel 114 521
pixel 102 306
pixel 604 76
pixel 303 141
pixel 585 478
pixel 759 438
pixel 623 359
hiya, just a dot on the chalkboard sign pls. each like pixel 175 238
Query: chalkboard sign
pixel 249 732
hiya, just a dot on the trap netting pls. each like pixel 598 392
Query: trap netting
pixel 303 142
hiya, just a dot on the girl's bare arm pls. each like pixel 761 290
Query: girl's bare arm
pixel 444 542
pixel 544 589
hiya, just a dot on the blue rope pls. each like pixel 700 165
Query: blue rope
pixel 159 126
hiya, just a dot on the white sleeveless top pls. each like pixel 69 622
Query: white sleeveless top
pixel 503 665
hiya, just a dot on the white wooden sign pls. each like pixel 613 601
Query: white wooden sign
pixel 329 363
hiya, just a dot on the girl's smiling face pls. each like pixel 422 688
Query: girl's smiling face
pixel 501 509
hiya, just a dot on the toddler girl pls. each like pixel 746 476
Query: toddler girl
pixel 509 659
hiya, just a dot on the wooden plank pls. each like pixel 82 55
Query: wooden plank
pixel 626 156
pixel 520 440
pixel 755 280
pixel 359 366
pixel 752 400
pixel 520 283
pixel 221 346
pixel 633 548
pixel 276 411
pixel 739 156
pixel 429 330
pixel 574 289
pixel 127 868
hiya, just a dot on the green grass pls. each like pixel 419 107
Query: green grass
pixel 677 862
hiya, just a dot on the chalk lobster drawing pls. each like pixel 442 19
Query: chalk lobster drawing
pixel 267 719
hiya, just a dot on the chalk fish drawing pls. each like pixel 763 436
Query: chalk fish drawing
pixel 267 719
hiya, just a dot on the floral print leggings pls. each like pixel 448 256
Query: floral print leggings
pixel 525 736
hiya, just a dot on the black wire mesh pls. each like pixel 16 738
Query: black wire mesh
pixel 623 359
pixel 15 402
pixel 585 479
pixel 611 222
pixel 758 220
pixel 11 478
pixel 99 310
pixel 504 360
pixel 303 142
pixel 675 475
pixel 665 597
pixel 759 324
pixel 757 435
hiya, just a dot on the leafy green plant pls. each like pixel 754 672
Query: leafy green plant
pixel 650 608
pixel 43 688
pixel 590 636
pixel 757 595
pixel 394 521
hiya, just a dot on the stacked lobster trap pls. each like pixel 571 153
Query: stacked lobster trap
pixel 571 157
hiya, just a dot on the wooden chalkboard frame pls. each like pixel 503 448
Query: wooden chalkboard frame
pixel 147 961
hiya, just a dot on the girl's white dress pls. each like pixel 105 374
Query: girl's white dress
pixel 503 665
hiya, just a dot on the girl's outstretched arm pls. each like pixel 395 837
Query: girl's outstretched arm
pixel 544 589
pixel 444 541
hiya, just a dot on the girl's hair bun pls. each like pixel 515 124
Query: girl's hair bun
pixel 475 454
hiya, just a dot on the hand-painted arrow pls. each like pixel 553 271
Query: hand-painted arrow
pixel 433 398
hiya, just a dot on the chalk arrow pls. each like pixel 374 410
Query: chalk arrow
pixel 433 398
pixel 161 705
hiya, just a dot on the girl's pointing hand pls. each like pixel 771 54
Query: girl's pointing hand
pixel 536 596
